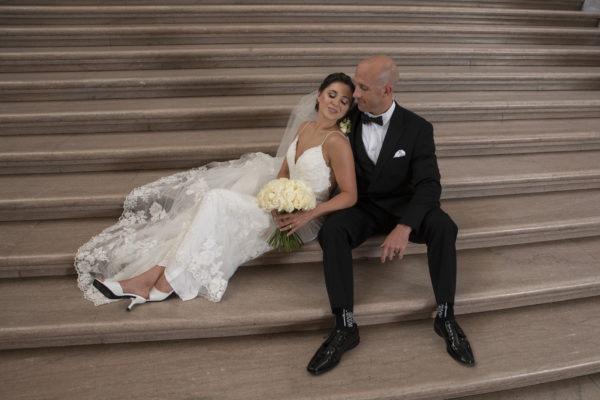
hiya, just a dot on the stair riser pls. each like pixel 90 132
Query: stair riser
pixel 140 121
pixel 190 87
pixel 83 38
pixel 247 58
pixel 519 4
pixel 54 209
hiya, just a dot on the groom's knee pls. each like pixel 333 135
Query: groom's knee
pixel 437 222
pixel 333 230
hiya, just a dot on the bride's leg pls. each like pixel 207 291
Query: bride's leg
pixel 142 283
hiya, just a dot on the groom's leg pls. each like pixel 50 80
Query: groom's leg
pixel 439 232
pixel 342 231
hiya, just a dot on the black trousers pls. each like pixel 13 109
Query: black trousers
pixel 346 229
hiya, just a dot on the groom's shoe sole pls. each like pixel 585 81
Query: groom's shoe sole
pixel 107 292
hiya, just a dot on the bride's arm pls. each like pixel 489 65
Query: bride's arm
pixel 342 164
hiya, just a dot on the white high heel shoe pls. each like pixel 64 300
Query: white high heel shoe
pixel 157 295
pixel 113 290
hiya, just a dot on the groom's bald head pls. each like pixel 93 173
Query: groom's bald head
pixel 383 68
pixel 375 79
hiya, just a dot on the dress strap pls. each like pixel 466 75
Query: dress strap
pixel 303 128
pixel 326 136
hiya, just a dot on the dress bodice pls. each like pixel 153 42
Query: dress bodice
pixel 310 168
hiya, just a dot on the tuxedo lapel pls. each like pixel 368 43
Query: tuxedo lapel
pixel 390 143
pixel 356 141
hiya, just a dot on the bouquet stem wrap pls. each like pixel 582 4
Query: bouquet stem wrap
pixel 286 196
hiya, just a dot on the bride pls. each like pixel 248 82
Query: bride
pixel 187 233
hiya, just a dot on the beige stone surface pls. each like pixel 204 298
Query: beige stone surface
pixel 202 13
pixel 186 149
pixel 402 361
pixel 325 54
pixel 487 221
pixel 516 4
pixel 253 81
pixel 462 177
pixel 580 388
pixel 132 90
pixel 291 33
pixel 290 297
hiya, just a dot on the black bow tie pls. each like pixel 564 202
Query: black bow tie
pixel 365 119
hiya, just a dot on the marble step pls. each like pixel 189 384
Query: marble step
pixel 30 248
pixel 187 149
pixel 586 387
pixel 281 298
pixel 43 86
pixel 393 361
pixel 191 113
pixel 291 33
pixel 101 194
pixel 395 12
pixel 518 4
pixel 46 59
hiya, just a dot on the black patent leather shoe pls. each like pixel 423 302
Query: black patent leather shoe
pixel 330 352
pixel 457 344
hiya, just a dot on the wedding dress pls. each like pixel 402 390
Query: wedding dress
pixel 200 224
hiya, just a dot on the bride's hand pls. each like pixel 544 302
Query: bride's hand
pixel 293 222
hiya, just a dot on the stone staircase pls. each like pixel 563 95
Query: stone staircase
pixel 99 97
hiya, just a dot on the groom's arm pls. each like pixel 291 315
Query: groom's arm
pixel 425 178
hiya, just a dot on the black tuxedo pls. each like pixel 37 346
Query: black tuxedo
pixel 403 187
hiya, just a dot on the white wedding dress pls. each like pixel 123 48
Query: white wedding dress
pixel 200 224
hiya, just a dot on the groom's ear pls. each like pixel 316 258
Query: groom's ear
pixel 388 90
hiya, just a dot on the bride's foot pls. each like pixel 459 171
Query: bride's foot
pixel 162 284
pixel 161 290
pixel 141 284
pixel 114 290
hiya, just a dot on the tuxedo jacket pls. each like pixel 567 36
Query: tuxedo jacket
pixel 405 181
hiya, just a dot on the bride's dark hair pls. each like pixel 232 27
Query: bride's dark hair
pixel 335 77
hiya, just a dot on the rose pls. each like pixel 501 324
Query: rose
pixel 345 126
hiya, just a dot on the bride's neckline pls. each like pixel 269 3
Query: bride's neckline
pixel 298 157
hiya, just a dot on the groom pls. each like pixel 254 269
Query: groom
pixel 399 195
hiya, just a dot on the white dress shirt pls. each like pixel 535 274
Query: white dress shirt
pixel 374 134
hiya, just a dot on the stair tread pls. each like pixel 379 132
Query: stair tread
pixel 278 9
pixel 229 104
pixel 519 4
pixel 331 49
pixel 285 73
pixel 21 191
pixel 580 388
pixel 116 145
pixel 315 28
pixel 567 350
pixel 263 298
pixel 98 144
pixel 30 243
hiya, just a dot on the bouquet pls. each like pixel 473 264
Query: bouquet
pixel 287 196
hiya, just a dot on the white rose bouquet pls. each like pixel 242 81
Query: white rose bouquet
pixel 287 196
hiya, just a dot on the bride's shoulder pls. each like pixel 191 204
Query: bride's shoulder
pixel 336 140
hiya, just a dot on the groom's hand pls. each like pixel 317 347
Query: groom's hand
pixel 395 243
